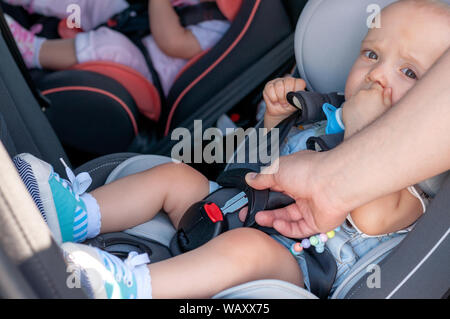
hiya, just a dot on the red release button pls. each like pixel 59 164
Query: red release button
pixel 213 212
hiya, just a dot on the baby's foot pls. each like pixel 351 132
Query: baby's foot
pixel 102 275
pixel 70 214
pixel 28 43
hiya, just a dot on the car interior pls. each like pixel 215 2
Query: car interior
pixel 212 83
pixel 39 109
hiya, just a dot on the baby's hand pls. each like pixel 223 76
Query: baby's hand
pixel 277 106
pixel 365 107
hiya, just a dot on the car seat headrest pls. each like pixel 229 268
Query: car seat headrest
pixel 229 8
pixel 328 39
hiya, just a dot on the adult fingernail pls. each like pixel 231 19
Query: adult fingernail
pixel 251 175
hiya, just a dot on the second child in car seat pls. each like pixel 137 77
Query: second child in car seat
pixel 393 58
pixel 170 45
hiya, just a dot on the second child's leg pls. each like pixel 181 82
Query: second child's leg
pixel 137 198
pixel 39 52
pixel 102 44
pixel 58 54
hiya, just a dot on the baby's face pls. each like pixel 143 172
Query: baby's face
pixel 396 55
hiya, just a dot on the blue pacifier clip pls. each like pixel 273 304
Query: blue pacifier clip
pixel 334 119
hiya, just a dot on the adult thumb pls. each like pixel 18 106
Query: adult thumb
pixel 260 181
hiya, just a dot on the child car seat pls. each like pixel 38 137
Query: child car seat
pixel 210 85
pixel 417 268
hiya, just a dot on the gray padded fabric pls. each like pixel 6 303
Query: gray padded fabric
pixel 265 289
pixel 101 167
pixel 136 164
pixel 159 228
pixel 328 39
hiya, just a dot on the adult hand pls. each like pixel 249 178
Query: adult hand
pixel 314 210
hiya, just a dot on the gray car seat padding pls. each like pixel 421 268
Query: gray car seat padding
pixel 101 167
pixel 159 229
pixel 265 289
pixel 26 239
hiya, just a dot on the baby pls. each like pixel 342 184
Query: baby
pixel 169 46
pixel 393 58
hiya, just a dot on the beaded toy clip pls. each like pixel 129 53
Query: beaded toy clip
pixel 317 241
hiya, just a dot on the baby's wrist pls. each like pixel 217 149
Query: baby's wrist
pixel 270 121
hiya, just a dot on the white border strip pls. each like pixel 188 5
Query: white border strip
pixel 419 265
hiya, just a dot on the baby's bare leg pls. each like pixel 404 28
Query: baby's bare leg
pixel 233 258
pixel 58 54
pixel 135 199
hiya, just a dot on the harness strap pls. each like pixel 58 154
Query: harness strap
pixel 310 104
pixel 325 142
pixel 155 77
